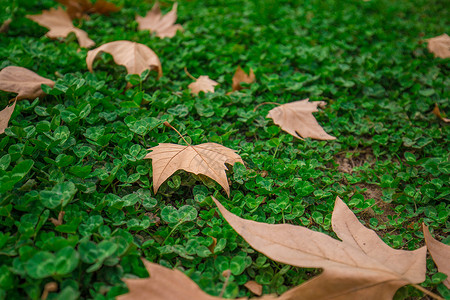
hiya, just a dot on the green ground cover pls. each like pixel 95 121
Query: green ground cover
pixel 85 142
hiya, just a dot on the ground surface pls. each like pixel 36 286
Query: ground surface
pixel 367 60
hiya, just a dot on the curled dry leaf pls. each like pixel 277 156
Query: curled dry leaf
pixel 162 26
pixel 241 76
pixel 440 46
pixel 135 57
pixel 104 7
pixel 208 159
pixel 437 113
pixel 440 253
pixel 202 84
pixel 213 245
pixel 361 266
pixel 78 8
pixel 5 115
pixel 296 118
pixel 60 25
pixel 22 81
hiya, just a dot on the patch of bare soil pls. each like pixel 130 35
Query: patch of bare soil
pixel 369 191
pixel 347 165
pixel 373 191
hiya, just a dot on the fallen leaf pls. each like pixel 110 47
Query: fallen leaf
pixel 5 115
pixel 5 26
pixel 135 57
pixel 440 253
pixel 241 76
pixel 164 284
pixel 79 8
pixel 213 245
pixel 22 81
pixel 104 7
pixel 208 159
pixel 296 118
pixel 361 266
pixel 439 46
pixel 254 287
pixel 437 113
pixel 202 84
pixel 162 26
pixel 60 25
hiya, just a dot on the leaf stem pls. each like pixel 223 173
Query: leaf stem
pixel 189 74
pixel 227 278
pixel 173 229
pixel 257 106
pixel 427 292
pixel 170 126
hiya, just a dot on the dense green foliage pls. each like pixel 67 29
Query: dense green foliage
pixel 80 149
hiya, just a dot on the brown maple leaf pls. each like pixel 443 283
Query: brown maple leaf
pixel 240 76
pixel 162 26
pixel 5 115
pixel 22 81
pixel 361 266
pixel 104 7
pixel 79 8
pixel 296 118
pixel 437 113
pixel 439 46
pixel 440 253
pixel 202 84
pixel 60 25
pixel 134 56
pixel 208 159
pixel 166 284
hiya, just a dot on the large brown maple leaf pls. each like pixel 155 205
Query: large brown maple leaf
pixel 360 266
pixel 440 253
